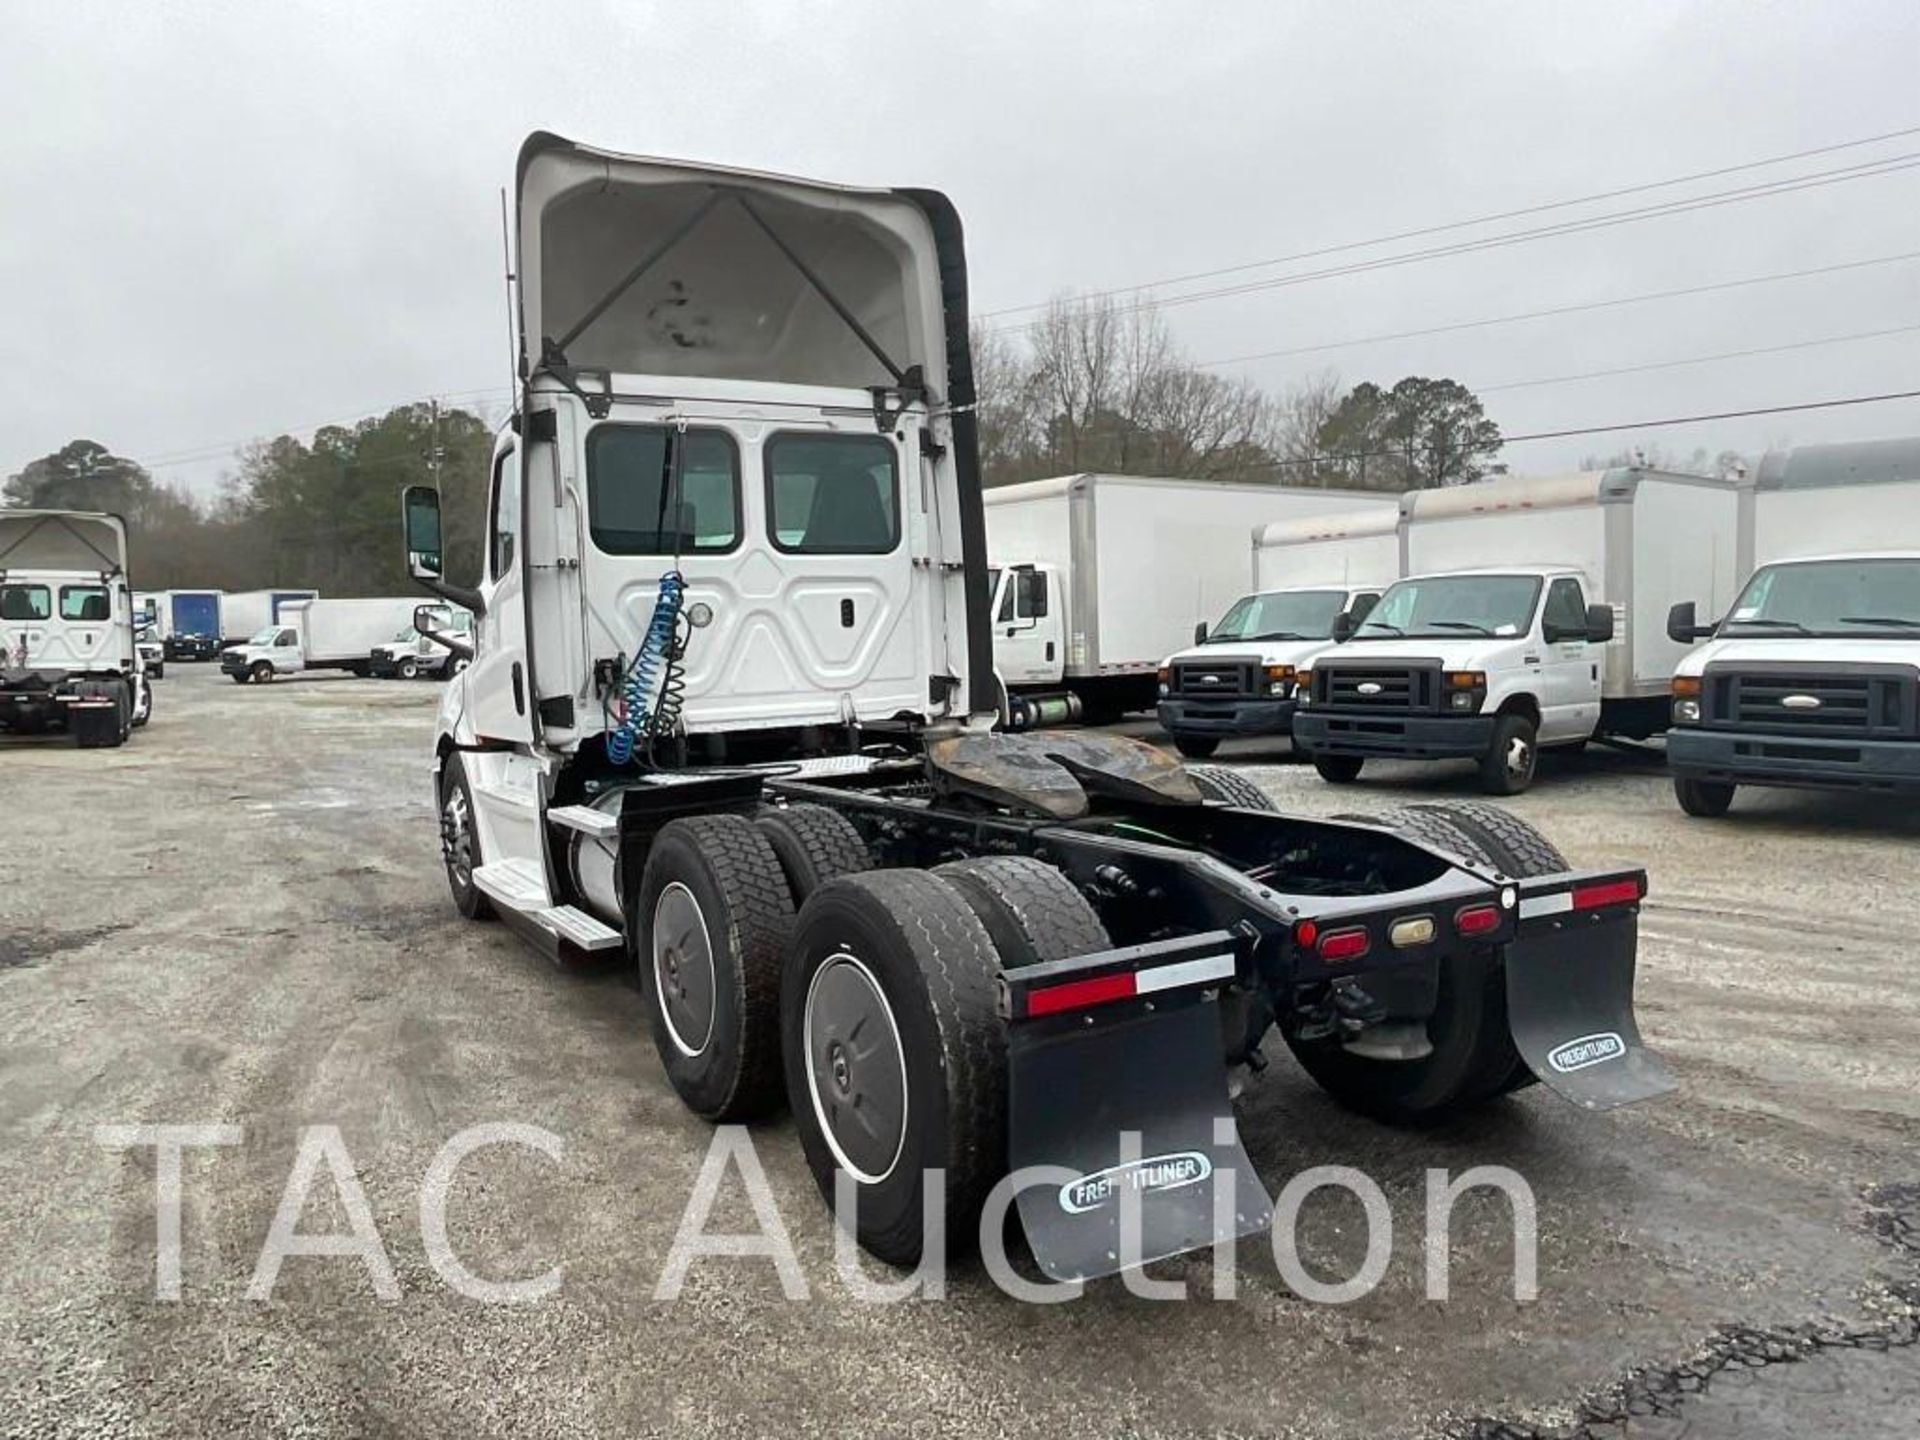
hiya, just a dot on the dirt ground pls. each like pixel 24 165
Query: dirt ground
pixel 240 919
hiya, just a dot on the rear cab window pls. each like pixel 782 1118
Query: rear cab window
pixel 629 475
pixel 85 602
pixel 832 494
pixel 25 602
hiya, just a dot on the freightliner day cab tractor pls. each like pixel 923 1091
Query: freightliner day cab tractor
pixel 1812 679
pixel 728 718
pixel 68 657
pixel 1496 664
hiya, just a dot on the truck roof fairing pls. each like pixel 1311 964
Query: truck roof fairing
pixel 76 540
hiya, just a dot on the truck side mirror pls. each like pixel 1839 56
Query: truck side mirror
pixel 1200 633
pixel 1343 627
pixel 425 618
pixel 420 513
pixel 1599 624
pixel 1683 626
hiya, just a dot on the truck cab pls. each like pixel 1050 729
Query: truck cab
pixel 1238 678
pixel 1811 680
pixel 410 653
pixel 68 657
pixel 270 651
pixel 1487 665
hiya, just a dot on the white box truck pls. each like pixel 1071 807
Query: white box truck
pixel 1812 679
pixel 409 654
pixel 245 613
pixel 1533 615
pixel 1237 679
pixel 1096 579
pixel 319 635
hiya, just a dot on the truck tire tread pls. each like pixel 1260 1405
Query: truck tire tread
pixel 1032 912
pixel 813 844
pixel 1230 787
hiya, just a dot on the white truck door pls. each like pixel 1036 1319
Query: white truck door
pixel 1570 668
pixel 498 686
pixel 285 654
pixel 1026 627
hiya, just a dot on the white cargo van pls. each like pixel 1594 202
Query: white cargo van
pixel 318 635
pixel 410 654
pixel 1812 679
pixel 1237 679
pixel 1533 616
pixel 1097 578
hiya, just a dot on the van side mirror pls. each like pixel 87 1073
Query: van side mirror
pixel 1343 627
pixel 1599 624
pixel 1683 627
pixel 1200 633
pixel 1361 608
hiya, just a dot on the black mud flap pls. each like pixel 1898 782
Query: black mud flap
pixel 1130 1113
pixel 1570 1006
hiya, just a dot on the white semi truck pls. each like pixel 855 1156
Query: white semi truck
pixel 1532 616
pixel 1812 678
pixel 730 718
pixel 1097 578
pixel 68 656
pixel 318 635
pixel 1238 679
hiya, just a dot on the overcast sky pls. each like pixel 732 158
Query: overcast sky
pixel 229 220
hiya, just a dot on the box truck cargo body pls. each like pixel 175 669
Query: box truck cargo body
pixel 1532 615
pixel 1356 548
pixel 319 635
pixel 188 622
pixel 1098 578
pixel 1812 678
pixel 246 612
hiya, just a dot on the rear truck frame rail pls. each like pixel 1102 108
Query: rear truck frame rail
pixel 1117 1060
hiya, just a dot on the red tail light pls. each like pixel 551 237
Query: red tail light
pixel 1344 944
pixel 1477 920
pixel 1612 892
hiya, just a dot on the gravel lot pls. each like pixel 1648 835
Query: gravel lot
pixel 241 919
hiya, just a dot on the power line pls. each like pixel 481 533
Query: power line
pixel 1402 451
pixel 1698 359
pixel 1452 225
pixel 213 451
pixel 1560 310
pixel 1875 169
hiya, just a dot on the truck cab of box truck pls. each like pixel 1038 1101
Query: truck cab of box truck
pixel 1238 678
pixel 1811 681
pixel 1807 677
pixel 411 653
pixel 68 655
pixel 1487 665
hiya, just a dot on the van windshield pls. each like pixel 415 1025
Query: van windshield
pixel 1280 615
pixel 1445 607
pixel 1832 598
pixel 266 636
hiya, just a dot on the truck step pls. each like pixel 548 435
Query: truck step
pixel 517 884
pixel 588 821
pixel 579 929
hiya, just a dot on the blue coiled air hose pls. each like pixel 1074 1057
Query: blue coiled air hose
pixel 641 714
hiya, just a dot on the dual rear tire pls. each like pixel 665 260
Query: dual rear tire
pixel 871 1008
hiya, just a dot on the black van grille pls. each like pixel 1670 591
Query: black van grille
pixel 1354 687
pixel 1810 702
pixel 1223 679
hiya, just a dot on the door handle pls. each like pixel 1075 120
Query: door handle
pixel 519 690
pixel 846 614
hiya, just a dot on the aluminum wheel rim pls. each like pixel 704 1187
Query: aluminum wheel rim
pixel 856 1069
pixel 1519 756
pixel 456 837
pixel 683 974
